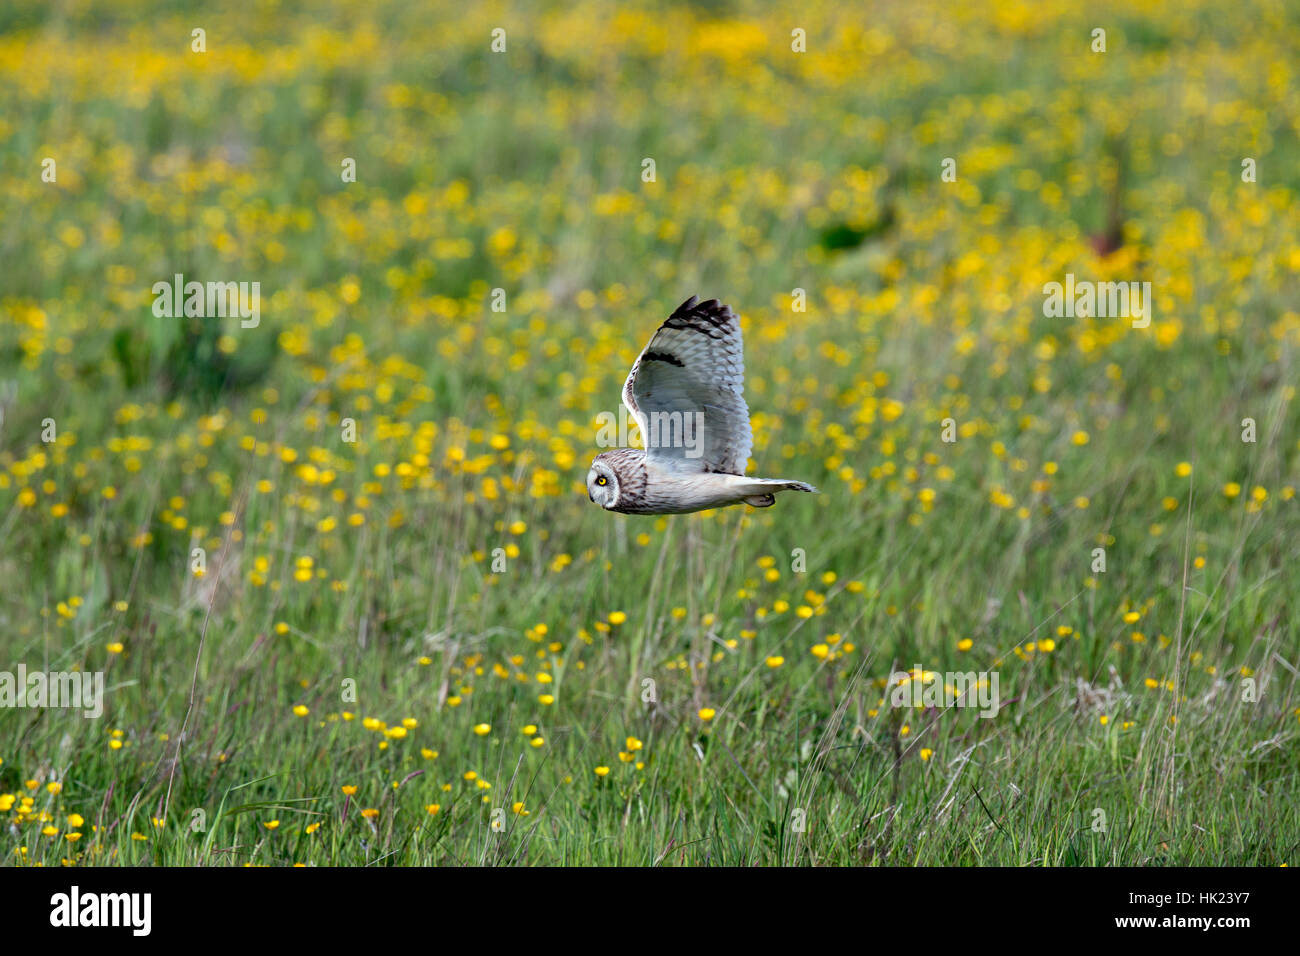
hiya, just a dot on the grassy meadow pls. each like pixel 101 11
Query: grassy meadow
pixel 338 570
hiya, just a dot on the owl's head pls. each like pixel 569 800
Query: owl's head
pixel 602 484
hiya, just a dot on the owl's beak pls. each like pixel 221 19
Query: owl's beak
pixel 589 498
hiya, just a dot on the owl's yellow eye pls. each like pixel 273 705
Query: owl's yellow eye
pixel 602 480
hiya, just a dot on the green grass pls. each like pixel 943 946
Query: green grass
pixel 362 580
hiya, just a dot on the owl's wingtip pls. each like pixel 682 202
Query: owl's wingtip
pixel 714 310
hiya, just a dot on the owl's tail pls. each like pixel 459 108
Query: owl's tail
pixel 762 490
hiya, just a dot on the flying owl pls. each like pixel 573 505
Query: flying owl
pixel 685 393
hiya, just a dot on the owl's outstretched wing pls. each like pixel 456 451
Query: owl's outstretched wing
pixel 685 391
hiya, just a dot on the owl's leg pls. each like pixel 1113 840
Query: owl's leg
pixel 761 501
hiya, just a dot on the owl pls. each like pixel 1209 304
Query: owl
pixel 684 391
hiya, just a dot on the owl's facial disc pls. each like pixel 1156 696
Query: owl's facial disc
pixel 602 485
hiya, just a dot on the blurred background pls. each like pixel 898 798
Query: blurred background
pixel 798 155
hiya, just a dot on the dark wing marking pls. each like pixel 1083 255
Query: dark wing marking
pixel 693 374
